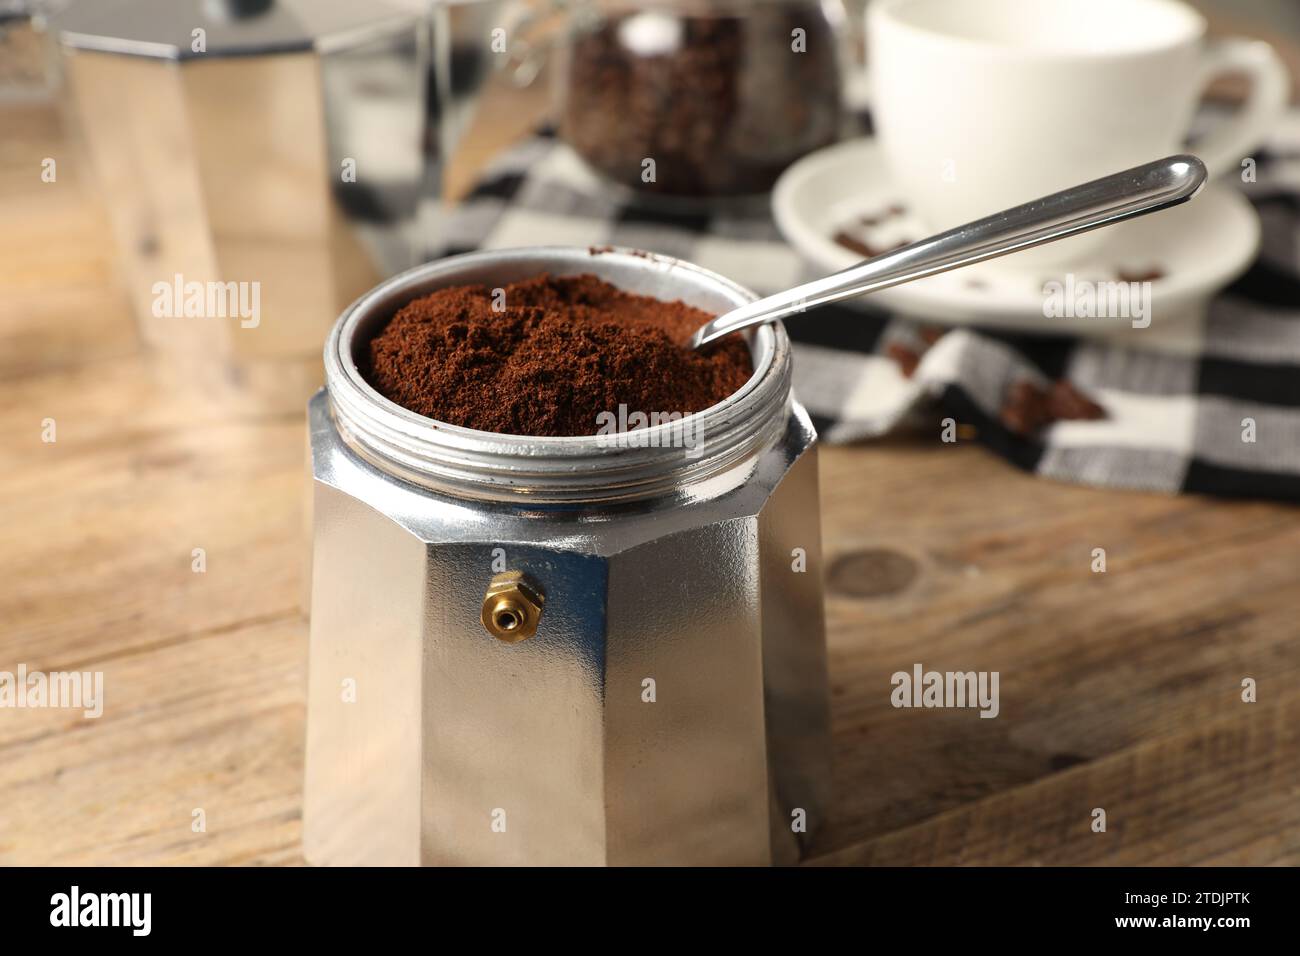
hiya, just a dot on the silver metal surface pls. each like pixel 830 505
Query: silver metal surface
pixel 1102 202
pixel 228 165
pixel 28 58
pixel 463 56
pixel 164 28
pixel 684 576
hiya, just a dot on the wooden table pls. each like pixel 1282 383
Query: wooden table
pixel 1119 690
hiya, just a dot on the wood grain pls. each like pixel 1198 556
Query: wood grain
pixel 1119 690
pixel 1217 795
pixel 1197 595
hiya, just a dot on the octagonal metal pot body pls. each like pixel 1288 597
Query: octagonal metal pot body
pixel 671 707
pixel 261 163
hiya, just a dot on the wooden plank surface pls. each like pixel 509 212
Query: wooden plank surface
pixel 1119 690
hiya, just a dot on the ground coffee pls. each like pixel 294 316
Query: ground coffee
pixel 560 352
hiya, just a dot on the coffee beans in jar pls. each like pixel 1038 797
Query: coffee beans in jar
pixel 702 99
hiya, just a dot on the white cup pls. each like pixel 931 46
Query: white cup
pixel 984 104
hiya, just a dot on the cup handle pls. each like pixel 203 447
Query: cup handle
pixel 1225 148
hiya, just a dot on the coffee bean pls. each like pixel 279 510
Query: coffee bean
pixel 906 358
pixel 1141 275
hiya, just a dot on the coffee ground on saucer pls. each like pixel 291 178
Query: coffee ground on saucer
pixel 560 352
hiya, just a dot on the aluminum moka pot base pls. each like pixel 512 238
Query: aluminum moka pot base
pixel 270 154
pixel 668 703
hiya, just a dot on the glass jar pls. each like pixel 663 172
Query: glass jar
pixel 701 98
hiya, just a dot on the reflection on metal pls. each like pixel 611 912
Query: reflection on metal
pixel 28 62
pixel 471 39
pixel 282 144
pixel 673 705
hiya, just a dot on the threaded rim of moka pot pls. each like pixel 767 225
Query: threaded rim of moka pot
pixel 465 462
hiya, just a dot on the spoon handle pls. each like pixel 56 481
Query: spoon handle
pixel 1134 192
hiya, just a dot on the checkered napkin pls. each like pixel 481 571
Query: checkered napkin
pixel 1175 414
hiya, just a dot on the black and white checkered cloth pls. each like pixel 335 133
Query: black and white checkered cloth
pixel 1174 416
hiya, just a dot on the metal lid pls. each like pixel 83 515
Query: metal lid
pixel 164 29
pixel 16 9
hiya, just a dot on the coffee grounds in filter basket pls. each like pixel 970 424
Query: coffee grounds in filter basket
pixel 562 351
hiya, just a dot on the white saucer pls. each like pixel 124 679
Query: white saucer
pixel 1198 247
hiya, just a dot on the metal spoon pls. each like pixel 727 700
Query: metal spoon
pixel 1134 192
